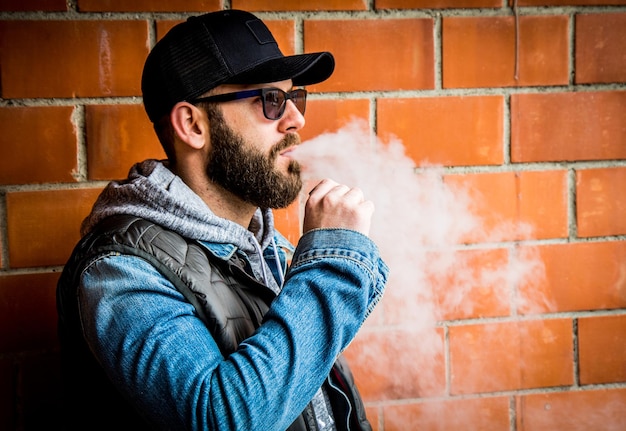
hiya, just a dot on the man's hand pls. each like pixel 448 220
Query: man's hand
pixel 333 205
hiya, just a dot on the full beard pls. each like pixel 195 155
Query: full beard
pixel 248 173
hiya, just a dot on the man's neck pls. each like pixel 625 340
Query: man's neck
pixel 220 201
pixel 228 206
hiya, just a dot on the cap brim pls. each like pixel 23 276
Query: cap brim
pixel 302 69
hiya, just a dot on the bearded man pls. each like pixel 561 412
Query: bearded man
pixel 178 309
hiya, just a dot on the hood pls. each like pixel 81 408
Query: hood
pixel 155 193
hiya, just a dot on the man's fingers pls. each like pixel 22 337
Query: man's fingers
pixel 334 205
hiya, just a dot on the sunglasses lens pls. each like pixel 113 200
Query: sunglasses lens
pixel 298 97
pixel 275 101
pixel 274 104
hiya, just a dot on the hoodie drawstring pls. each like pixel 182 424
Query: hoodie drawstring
pixel 264 267
pixel 281 274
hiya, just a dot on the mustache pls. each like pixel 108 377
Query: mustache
pixel 290 140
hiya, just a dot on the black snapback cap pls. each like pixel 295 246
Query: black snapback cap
pixel 225 47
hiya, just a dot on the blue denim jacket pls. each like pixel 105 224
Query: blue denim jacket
pixel 153 347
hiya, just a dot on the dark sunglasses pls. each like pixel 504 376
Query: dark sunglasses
pixel 274 100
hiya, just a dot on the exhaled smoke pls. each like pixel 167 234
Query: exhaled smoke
pixel 422 226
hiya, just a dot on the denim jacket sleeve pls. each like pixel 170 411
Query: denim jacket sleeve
pixel 162 357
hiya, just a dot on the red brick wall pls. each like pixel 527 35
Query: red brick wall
pixel 526 109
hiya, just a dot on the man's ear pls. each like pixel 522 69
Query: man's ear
pixel 190 124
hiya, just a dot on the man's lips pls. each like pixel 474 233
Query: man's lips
pixel 286 151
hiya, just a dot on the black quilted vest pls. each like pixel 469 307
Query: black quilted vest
pixel 228 300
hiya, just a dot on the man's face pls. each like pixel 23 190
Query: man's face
pixel 249 173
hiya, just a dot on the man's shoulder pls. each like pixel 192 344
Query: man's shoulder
pixel 127 231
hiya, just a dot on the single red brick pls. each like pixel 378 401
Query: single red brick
pixel 516 205
pixel 600 201
pixel 399 54
pixel 289 5
pixel 328 116
pixel 148 5
pixel 481 51
pixel 118 136
pixel 600 47
pixel 38 145
pixel 33 5
pixel 591 126
pixel 398 363
pixel 38 240
pixel 511 356
pixel 451 131
pixel 543 203
pixel 602 351
pixel 72 58
pixel 435 4
pixel 28 312
pixel 449 415
pixel 572 280
pixel 598 410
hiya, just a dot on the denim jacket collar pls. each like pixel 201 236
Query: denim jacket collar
pixel 277 255
pixel 226 251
